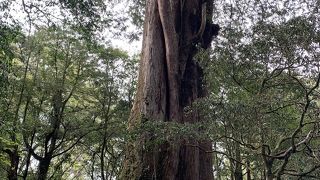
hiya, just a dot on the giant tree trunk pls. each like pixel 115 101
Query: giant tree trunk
pixel 169 80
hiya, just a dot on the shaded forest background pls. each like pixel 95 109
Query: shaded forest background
pixel 66 90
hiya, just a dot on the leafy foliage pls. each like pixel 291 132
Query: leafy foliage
pixel 66 93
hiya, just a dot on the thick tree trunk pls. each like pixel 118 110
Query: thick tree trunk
pixel 169 80
pixel 43 168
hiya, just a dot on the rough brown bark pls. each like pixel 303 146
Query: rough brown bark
pixel 169 80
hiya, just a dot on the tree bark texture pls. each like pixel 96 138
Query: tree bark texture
pixel 169 80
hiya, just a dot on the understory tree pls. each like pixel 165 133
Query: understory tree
pixel 264 82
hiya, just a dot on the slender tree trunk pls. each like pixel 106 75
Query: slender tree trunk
pixel 169 80
pixel 25 172
pixel 92 172
pixel 14 162
pixel 238 166
pixel 52 137
pixel 103 146
pixel 216 162
pixel 248 170
pixel 13 154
